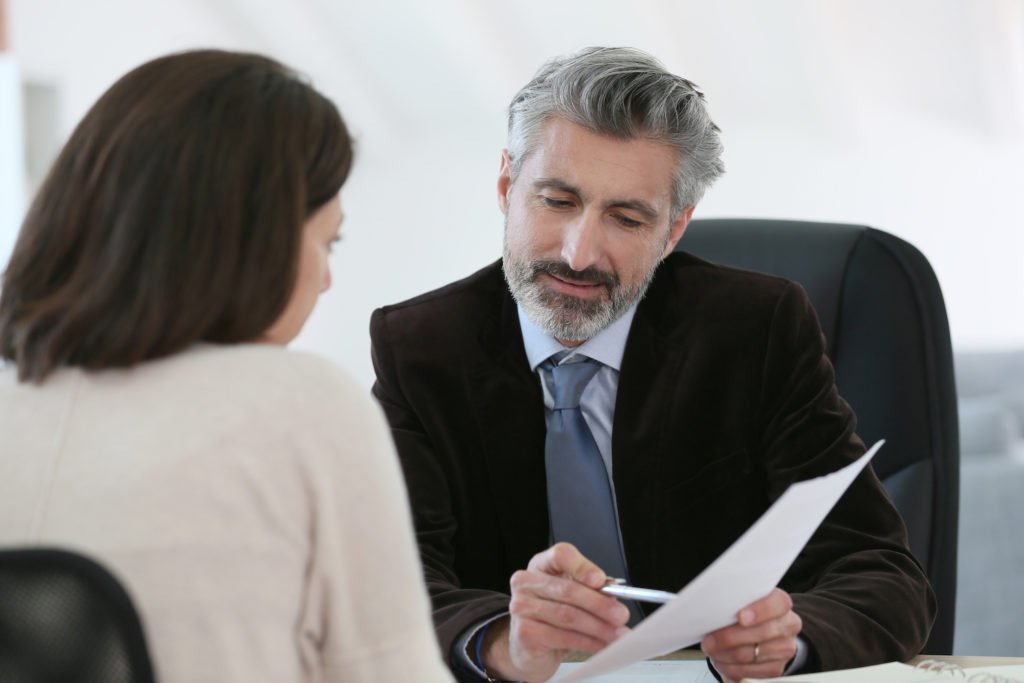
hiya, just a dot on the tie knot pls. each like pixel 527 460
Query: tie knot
pixel 569 380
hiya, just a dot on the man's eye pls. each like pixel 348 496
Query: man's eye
pixel 556 203
pixel 628 222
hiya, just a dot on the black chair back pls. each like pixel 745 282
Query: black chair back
pixel 885 325
pixel 66 619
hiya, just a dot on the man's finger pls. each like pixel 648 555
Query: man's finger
pixel 565 617
pixel 536 636
pixel 563 559
pixel 781 650
pixel 787 626
pixel 566 591
pixel 773 605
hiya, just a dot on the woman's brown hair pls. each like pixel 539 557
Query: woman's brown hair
pixel 172 215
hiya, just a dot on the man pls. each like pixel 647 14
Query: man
pixel 705 394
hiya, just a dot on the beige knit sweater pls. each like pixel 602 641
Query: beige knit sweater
pixel 250 499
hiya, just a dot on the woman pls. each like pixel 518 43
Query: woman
pixel 249 497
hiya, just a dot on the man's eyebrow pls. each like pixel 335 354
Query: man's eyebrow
pixel 556 184
pixel 640 206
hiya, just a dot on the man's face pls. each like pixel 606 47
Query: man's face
pixel 587 220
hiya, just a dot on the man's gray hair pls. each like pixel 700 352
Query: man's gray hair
pixel 624 93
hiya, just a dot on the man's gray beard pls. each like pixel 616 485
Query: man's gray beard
pixel 563 316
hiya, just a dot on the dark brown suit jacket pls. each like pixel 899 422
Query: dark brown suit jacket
pixel 725 398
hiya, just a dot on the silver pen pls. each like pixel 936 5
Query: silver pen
pixel 619 589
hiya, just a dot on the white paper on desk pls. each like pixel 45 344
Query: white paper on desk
pixel 1013 672
pixel 654 671
pixel 747 571
pixel 893 672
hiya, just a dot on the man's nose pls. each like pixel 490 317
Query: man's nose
pixel 582 242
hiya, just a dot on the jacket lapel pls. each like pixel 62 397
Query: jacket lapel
pixel 508 405
pixel 643 409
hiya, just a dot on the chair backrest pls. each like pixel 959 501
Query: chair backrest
pixel 66 619
pixel 887 333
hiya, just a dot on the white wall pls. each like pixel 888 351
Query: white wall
pixel 908 116
pixel 12 162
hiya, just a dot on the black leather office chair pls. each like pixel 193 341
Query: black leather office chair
pixel 65 619
pixel 885 324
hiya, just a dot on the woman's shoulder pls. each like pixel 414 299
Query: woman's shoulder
pixel 272 356
pixel 258 362
pixel 256 377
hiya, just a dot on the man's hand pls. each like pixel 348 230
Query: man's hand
pixel 556 608
pixel 761 645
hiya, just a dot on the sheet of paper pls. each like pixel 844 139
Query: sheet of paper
pixel 658 671
pixel 893 672
pixel 1011 671
pixel 747 571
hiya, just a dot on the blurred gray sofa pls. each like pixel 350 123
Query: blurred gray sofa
pixel 990 598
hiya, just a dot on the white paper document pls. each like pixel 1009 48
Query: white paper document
pixel 747 571
pixel 654 671
pixel 894 672
pixel 1007 672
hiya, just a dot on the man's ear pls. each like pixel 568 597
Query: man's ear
pixel 677 229
pixel 504 180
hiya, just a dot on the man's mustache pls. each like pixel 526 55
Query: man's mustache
pixel 562 270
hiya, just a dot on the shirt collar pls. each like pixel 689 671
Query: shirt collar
pixel 606 347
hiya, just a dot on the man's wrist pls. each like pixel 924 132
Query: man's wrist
pixel 494 659
pixel 481 652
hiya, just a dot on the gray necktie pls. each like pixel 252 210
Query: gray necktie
pixel 580 502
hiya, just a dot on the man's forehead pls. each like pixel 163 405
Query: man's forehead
pixel 589 162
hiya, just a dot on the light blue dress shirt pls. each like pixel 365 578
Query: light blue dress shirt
pixel 598 399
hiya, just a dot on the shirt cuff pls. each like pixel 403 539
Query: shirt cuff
pixel 799 659
pixel 467 641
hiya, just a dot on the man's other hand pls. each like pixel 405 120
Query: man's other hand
pixel 556 608
pixel 761 645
